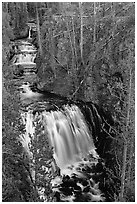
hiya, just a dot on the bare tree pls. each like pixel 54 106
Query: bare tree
pixel 81 29
pixel 125 138
pixel 38 31
pixel 113 16
pixel 94 35
pixel 74 41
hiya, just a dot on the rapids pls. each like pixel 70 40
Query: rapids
pixel 25 59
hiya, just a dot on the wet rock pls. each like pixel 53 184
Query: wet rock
pixel 88 169
pixel 97 198
pixel 86 189
pixel 83 169
pixel 84 182
pixel 18 70
pixel 76 187
pixel 66 191
pixel 78 169
pixel 65 178
pixel 99 167
pixel 57 195
pixel 94 191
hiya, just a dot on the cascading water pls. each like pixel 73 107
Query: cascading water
pixel 72 143
pixel 27 48
pixel 25 58
pixel 68 134
pixel 67 131
pixel 27 119
pixel 29 32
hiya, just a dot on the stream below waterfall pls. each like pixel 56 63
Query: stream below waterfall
pixel 69 132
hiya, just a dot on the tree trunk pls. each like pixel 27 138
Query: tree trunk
pixel 121 199
pixel 113 16
pixel 72 50
pixel 52 50
pixel 25 9
pixel 125 136
pixel 74 41
pixel 94 34
pixel 81 30
pixel 130 160
pixel 16 16
pixel 38 31
pixel 73 70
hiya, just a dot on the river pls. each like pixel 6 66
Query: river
pixel 63 126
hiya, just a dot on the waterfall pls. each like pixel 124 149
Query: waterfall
pixel 25 59
pixel 68 134
pixel 29 32
pixel 67 131
pixel 27 119
pixel 73 149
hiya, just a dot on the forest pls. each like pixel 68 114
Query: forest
pixel 85 53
